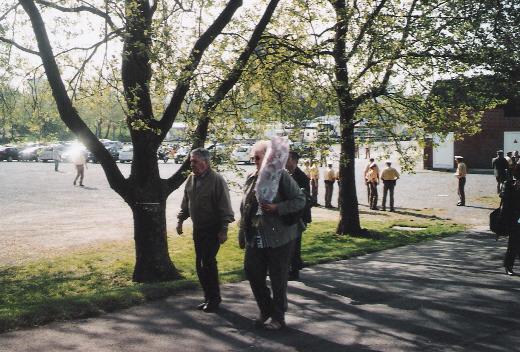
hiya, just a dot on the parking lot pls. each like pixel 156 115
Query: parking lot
pixel 43 213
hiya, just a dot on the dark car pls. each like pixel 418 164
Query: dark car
pixel 8 153
pixel 114 152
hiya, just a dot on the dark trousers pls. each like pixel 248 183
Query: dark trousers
pixel 257 262
pixel 373 195
pixel 296 263
pixel 80 173
pixel 388 186
pixel 500 181
pixel 206 249
pixel 314 191
pixel 460 191
pixel 368 192
pixel 56 164
pixel 329 188
pixel 513 247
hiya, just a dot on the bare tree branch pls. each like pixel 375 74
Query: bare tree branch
pixel 83 8
pixel 204 41
pixel 225 86
pixel 13 43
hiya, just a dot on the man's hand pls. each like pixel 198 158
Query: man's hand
pixel 179 228
pixel 222 236
pixel 269 208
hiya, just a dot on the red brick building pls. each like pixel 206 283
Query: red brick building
pixel 500 130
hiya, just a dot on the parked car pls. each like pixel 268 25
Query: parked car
pixel 114 152
pixel 181 155
pixel 47 153
pixel 8 153
pixel 242 154
pixel 30 153
pixel 126 154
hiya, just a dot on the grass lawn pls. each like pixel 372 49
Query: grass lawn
pixel 97 279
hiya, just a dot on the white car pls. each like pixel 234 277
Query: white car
pixel 126 154
pixel 47 153
pixel 242 154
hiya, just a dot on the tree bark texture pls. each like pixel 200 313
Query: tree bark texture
pixel 151 245
pixel 349 210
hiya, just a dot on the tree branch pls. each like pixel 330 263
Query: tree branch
pixel 225 86
pixel 82 8
pixel 204 41
pixel 68 113
pixel 13 43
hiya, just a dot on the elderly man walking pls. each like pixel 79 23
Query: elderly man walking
pixel 206 200
pixel 389 175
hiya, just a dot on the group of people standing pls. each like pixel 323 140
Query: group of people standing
pixel 503 165
pixel 330 176
pixel 373 176
pixel 272 242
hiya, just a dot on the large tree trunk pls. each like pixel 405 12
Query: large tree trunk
pixel 153 261
pixel 348 209
pixel 349 212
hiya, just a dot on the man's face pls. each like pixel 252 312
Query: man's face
pixel 198 165
pixel 291 164
pixel 258 157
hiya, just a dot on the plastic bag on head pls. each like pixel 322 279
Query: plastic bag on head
pixel 271 170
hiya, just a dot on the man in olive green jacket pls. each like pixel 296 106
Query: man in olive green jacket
pixel 206 200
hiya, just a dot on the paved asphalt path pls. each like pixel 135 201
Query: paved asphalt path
pixel 443 295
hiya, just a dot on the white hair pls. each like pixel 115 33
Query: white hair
pixel 260 146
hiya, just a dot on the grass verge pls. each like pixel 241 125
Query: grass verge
pixel 97 279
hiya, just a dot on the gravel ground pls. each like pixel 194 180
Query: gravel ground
pixel 43 213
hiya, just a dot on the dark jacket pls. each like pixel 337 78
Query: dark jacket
pixel 304 183
pixel 511 205
pixel 500 166
pixel 207 203
pixel 276 232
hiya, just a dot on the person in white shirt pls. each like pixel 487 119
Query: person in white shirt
pixel 80 162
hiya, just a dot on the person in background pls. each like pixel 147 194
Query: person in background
pixel 56 156
pixel 367 169
pixel 315 177
pixel 372 179
pixel 460 174
pixel 509 158
pixel 500 167
pixel 79 159
pixel 206 200
pixel 329 177
pixel 516 157
pixel 389 175
pixel 268 242
pixel 511 217
pixel 307 169
pixel 302 180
